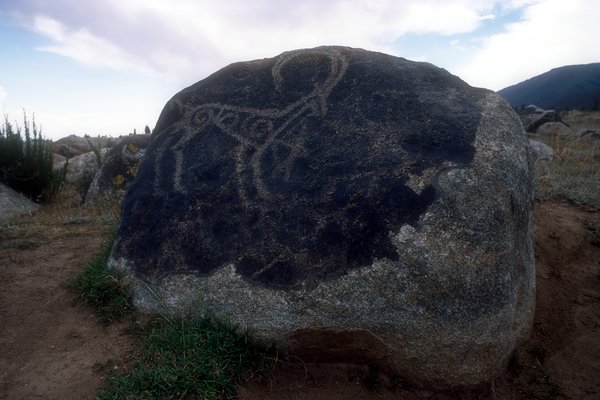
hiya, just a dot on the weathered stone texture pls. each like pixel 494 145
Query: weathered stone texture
pixel 13 203
pixel 339 193
pixel 81 166
pixel 118 169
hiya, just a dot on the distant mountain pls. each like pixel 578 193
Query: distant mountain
pixel 570 87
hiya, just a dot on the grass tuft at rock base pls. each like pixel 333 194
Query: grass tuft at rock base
pixel 102 287
pixel 186 358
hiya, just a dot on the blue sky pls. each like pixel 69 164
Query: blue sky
pixel 107 67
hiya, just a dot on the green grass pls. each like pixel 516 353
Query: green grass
pixel 193 358
pixel 176 357
pixel 103 288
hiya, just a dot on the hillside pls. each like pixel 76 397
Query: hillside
pixel 569 87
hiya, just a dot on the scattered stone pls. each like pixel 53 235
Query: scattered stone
pixel 83 165
pixel 541 151
pixel 72 146
pixel 344 205
pixel 119 168
pixel 550 129
pixel 13 203
pixel 532 109
pixel 586 133
pixel 542 119
pixel 530 113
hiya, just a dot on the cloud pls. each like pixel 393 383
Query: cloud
pixel 550 34
pixel 84 46
pixel 185 40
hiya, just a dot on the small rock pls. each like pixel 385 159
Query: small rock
pixel 83 165
pixel 543 118
pixel 13 203
pixel 541 151
pixel 590 134
pixel 549 129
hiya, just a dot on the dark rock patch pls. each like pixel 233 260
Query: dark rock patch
pixel 308 179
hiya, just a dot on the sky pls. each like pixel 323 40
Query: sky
pixel 107 67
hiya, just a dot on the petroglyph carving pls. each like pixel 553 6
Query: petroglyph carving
pixel 256 130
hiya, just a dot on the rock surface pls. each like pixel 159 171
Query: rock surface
pixel 72 145
pixel 58 161
pixel 550 129
pixel 85 164
pixel 547 116
pixel 339 196
pixel 590 134
pixel 119 168
pixel 541 151
pixel 530 113
pixel 13 203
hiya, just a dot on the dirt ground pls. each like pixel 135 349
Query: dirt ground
pixel 53 347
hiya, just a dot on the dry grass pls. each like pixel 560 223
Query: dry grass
pixel 582 119
pixel 573 174
pixel 56 218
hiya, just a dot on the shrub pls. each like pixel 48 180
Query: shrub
pixel 26 165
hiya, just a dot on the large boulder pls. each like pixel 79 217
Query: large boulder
pixel 344 205
pixel 118 169
pixel 72 145
pixel 83 166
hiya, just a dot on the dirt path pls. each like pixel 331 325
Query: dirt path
pixel 52 347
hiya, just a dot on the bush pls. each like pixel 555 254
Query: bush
pixel 27 165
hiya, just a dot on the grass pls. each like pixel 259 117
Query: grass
pixel 103 288
pixel 177 357
pixel 191 358
pixel 582 119
pixel 573 174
